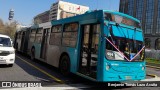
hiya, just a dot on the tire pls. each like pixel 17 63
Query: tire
pixel 33 54
pixel 10 65
pixel 65 65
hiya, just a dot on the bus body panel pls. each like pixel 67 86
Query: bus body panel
pixel 57 51
pixel 100 63
pixel 124 71
pixel 37 50
pixel 73 59
pixel 53 55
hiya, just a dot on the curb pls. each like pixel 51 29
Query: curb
pixel 152 66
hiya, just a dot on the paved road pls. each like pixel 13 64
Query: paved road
pixel 153 71
pixel 26 70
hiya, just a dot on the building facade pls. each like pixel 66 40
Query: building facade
pixel 60 10
pixel 63 9
pixel 148 12
pixel 42 17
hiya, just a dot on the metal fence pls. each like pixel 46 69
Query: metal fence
pixel 155 54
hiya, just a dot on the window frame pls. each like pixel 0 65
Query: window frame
pixel 33 32
pixel 38 34
pixel 70 31
pixel 55 33
pixel 148 43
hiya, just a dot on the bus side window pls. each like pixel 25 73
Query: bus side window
pixel 56 35
pixel 32 35
pixel 70 35
pixel 95 38
pixel 38 38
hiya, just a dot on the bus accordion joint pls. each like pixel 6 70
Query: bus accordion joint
pixel 122 52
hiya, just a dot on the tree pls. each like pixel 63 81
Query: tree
pixel 2 26
pixel 8 29
pixel 1 22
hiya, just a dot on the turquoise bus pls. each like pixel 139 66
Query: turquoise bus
pixel 99 45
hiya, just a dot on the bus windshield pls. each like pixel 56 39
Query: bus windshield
pixel 122 20
pixel 128 47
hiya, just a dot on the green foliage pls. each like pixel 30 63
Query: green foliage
pixel 8 28
pixel 152 60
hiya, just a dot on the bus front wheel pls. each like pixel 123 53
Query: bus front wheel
pixel 65 65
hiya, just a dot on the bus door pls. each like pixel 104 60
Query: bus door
pixel 22 41
pixel 15 40
pixel 89 50
pixel 44 43
pixel 25 48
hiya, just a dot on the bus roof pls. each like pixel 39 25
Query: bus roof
pixel 34 26
pixel 83 17
pixel 22 29
pixel 121 14
pixel 90 15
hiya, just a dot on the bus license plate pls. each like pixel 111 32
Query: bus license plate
pixel 128 77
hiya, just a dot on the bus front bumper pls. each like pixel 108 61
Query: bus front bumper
pixel 124 77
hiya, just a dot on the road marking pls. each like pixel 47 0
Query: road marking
pixel 51 76
pixel 152 75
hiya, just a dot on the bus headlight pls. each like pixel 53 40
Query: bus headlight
pixel 107 67
pixel 110 55
pixel 143 68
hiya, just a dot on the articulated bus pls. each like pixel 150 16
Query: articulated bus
pixel 99 45
pixel 27 38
